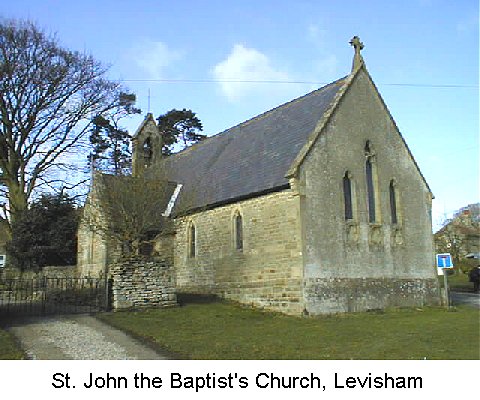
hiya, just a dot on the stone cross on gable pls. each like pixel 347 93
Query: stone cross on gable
pixel 358 46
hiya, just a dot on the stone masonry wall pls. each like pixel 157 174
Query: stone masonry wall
pixel 333 295
pixel 140 283
pixel 267 273
pixel 355 265
pixel 93 245
pixel 163 248
pixel 92 254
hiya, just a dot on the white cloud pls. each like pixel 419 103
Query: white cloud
pixel 246 65
pixel 154 57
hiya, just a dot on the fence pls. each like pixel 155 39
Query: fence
pixel 48 295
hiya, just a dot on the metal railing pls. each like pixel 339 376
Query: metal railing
pixel 50 295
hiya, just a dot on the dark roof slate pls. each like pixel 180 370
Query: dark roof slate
pixel 250 158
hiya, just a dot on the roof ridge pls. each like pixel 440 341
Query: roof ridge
pixel 256 117
pixel 288 103
pixel 328 112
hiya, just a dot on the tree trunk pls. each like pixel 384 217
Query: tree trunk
pixel 17 200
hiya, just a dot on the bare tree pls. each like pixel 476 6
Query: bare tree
pixel 459 236
pixel 48 97
pixel 128 211
pixel 448 240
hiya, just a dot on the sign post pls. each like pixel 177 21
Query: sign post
pixel 444 261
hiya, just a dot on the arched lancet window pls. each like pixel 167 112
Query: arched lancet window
pixel 147 152
pixel 238 229
pixel 371 192
pixel 348 196
pixel 192 241
pixel 393 202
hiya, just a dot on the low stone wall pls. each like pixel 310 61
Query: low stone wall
pixel 140 283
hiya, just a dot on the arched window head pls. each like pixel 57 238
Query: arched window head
pixel 147 152
pixel 347 196
pixel 192 241
pixel 238 229
pixel 368 148
pixel 393 202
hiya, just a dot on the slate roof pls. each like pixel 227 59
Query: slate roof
pixel 250 158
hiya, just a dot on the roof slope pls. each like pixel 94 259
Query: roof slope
pixel 250 158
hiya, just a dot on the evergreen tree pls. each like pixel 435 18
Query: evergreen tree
pixel 111 150
pixel 180 129
pixel 45 234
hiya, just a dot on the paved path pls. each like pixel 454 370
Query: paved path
pixel 79 337
pixel 469 298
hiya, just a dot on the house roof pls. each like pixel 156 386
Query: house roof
pixel 250 158
pixel 460 229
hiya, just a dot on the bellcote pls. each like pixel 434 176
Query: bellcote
pixel 147 145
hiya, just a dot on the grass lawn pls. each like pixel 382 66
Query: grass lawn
pixel 8 348
pixel 226 331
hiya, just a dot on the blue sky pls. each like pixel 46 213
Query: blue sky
pixel 422 54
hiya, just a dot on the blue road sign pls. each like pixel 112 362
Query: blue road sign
pixel 444 260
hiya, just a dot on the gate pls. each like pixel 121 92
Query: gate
pixel 46 296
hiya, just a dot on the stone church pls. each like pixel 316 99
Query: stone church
pixel 316 206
